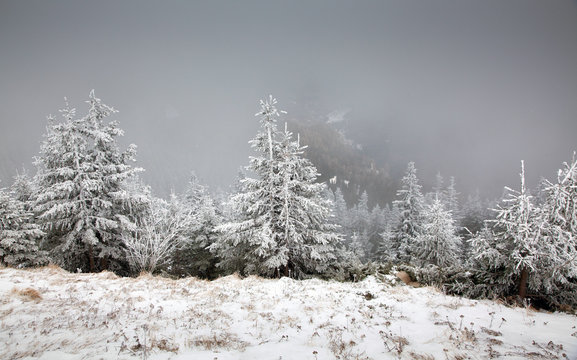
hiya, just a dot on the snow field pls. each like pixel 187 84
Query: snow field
pixel 102 316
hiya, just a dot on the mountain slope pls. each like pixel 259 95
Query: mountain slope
pixel 335 156
pixel 51 314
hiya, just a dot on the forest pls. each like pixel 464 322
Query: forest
pixel 87 210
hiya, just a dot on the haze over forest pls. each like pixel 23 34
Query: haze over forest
pixel 465 88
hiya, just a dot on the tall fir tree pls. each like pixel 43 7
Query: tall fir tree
pixel 557 223
pixel 409 222
pixel 451 199
pixel 516 226
pixel 282 225
pixel 80 201
pixel 438 243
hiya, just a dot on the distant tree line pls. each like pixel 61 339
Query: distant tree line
pixel 87 210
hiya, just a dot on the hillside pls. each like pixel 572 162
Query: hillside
pixel 336 157
pixel 51 314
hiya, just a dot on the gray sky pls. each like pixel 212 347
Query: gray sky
pixel 465 87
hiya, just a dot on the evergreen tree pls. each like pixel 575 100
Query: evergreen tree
pixel 360 218
pixel 282 226
pixel 516 226
pixel 387 249
pixel 531 248
pixel 438 188
pixel 473 216
pixel 409 222
pixel 23 189
pixel 19 235
pixel 377 225
pixel 357 246
pixel 438 243
pixel 490 266
pixel 556 274
pixel 340 209
pixel 193 257
pixel 80 201
pixel 451 199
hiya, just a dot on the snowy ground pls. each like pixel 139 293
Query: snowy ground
pixel 51 314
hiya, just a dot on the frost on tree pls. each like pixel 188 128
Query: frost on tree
pixel 490 265
pixel 193 257
pixel 81 202
pixel 377 225
pixel 282 217
pixel 438 243
pixel 19 235
pixel 359 225
pixel 557 256
pixel 387 250
pixel 516 225
pixel 151 245
pixel 530 250
pixel 409 219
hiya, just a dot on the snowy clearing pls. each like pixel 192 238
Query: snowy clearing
pixel 48 313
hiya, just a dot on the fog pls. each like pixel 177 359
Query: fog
pixel 461 87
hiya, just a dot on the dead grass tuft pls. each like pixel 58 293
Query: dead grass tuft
pixel 165 345
pixel 108 275
pixel 404 277
pixel 566 309
pixel 416 356
pixel 51 269
pixel 491 332
pixel 28 294
pixel 144 275
pixel 218 341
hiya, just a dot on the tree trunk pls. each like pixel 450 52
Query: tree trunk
pixel 91 258
pixel 103 263
pixel 523 283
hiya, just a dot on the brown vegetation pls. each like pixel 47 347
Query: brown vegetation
pixel 28 294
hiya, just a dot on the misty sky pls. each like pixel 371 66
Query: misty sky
pixel 465 87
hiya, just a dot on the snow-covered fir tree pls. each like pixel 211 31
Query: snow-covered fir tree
pixel 490 264
pixel 193 257
pixel 517 227
pixel 556 274
pixel 387 249
pixel 530 250
pixel 409 221
pixel 451 199
pixel 80 200
pixel 361 212
pixel 377 224
pixel 359 225
pixel 438 243
pixel 341 211
pixel 23 189
pixel 282 225
pixel 357 247
pixel 473 216
pixel 19 235
pixel 438 192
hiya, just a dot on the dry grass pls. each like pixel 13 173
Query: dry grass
pixel 51 269
pixel 218 341
pixel 416 356
pixel 404 277
pixel 28 294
